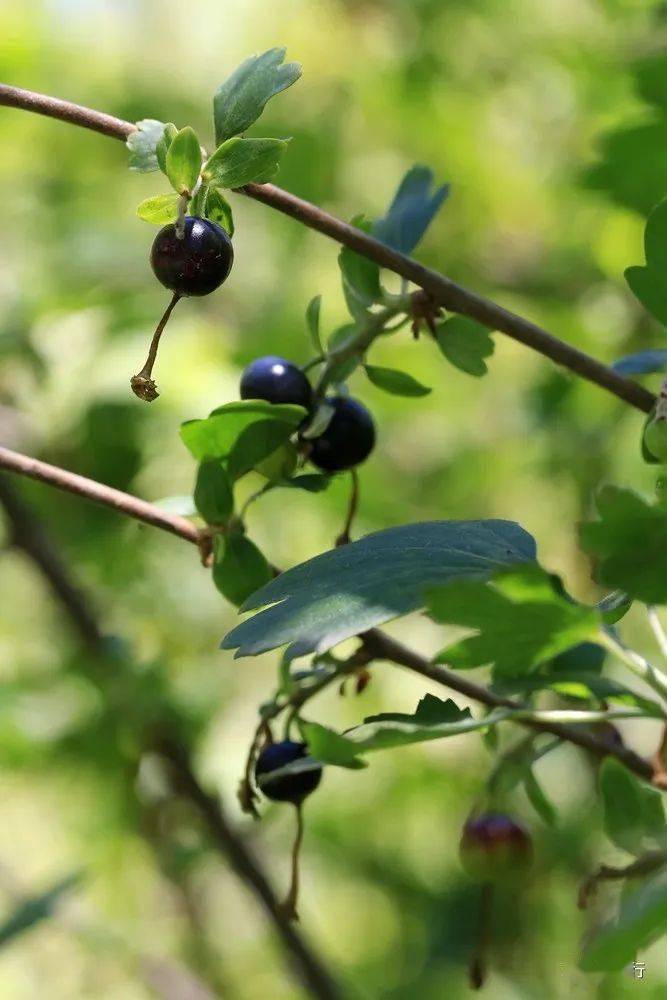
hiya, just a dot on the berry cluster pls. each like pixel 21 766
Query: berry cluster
pixel 350 434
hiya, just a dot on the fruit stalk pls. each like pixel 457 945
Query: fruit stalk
pixel 143 384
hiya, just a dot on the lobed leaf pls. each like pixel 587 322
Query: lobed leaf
pixel 411 212
pixel 465 343
pixel 241 99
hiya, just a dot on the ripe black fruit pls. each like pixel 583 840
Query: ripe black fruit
pixel 277 381
pixel 291 787
pixel 348 439
pixel 494 846
pixel 196 263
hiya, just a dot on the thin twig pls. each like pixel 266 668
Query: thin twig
pixel 443 291
pixel 657 629
pixel 645 865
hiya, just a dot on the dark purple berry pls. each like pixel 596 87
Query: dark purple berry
pixel 277 381
pixel 291 787
pixel 196 263
pixel 348 439
pixel 494 846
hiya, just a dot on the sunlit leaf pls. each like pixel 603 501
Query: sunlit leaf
pixel 240 100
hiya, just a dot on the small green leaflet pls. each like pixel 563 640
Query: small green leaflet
pixel 218 209
pixel 634 815
pixel 521 620
pixel 648 283
pixel 170 131
pixel 243 161
pixel 160 210
pixel 361 276
pixel 633 165
pixel 411 212
pixel 641 919
pixel 255 444
pixel 183 161
pixel 395 382
pixel 465 343
pixel 433 719
pixel 239 567
pixel 629 544
pixel 240 100
pixel 313 322
pixel 352 588
pixel 34 910
pixel 216 435
pixel 213 492
pixel 330 747
pixel 280 464
pixel 142 145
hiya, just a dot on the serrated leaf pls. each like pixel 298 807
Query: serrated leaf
pixel 641 919
pixel 465 344
pixel 215 435
pixel 649 287
pixel 313 322
pixel 411 212
pixel 521 620
pixel 142 145
pixel 242 161
pixel 183 161
pixel 433 719
pixel 213 492
pixel 241 99
pixel 239 567
pixel 34 910
pixel 160 210
pixel 165 141
pixel 218 209
pixel 330 747
pixel 629 543
pixel 352 588
pixel 395 382
pixel 633 811
pixel 255 444
pixel 642 363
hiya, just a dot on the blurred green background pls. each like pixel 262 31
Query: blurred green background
pixel 507 101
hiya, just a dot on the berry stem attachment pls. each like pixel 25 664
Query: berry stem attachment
pixel 142 384
pixel 479 959
pixel 353 506
pixel 291 899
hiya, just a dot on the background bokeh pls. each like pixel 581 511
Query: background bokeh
pixel 507 101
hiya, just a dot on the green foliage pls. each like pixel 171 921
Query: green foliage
pixel 642 363
pixel 183 161
pixel 216 435
pixel 256 443
pixel 629 543
pixel 395 382
pixel 241 161
pixel 329 747
pixel 36 909
pixel 465 343
pixel 213 492
pixel 164 142
pixel 241 99
pixel 641 919
pixel 633 811
pixel 160 210
pixel 313 322
pixel 648 283
pixel 239 568
pixel 633 165
pixel 433 719
pixel 521 617
pixel 142 145
pixel 352 588
pixel 361 276
pixel 218 209
pixel 411 212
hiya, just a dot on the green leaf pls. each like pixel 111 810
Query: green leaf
pixel 142 145
pixel 160 210
pixel 163 145
pixel 411 212
pixel 239 567
pixel 240 100
pixel 352 588
pixel 633 165
pixel 580 685
pixel 313 322
pixel 614 607
pixel 330 747
pixel 655 239
pixel 521 620
pixel 641 919
pixel 33 911
pixel 361 276
pixel 242 161
pixel 629 543
pixel 538 800
pixel 649 287
pixel 218 209
pixel 633 811
pixel 215 436
pixel 213 493
pixel 183 161
pixel 395 382
pixel 465 344
pixel 642 363
pixel 433 719
pixel 280 465
pixel 256 443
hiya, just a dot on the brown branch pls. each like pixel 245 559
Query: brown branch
pixel 28 534
pixel 444 292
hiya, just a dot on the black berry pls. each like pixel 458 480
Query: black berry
pixel 277 381
pixel 291 787
pixel 494 846
pixel 348 439
pixel 196 263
